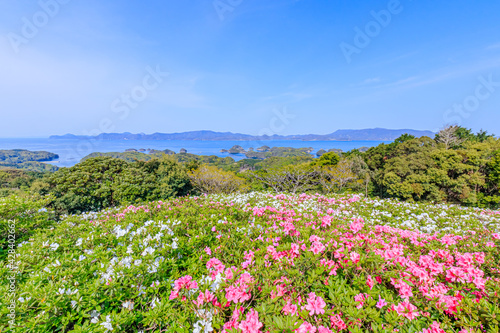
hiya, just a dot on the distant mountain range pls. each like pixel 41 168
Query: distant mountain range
pixel 373 134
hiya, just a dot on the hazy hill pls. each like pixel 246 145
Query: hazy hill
pixel 374 134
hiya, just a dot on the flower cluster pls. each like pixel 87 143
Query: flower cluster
pixel 264 263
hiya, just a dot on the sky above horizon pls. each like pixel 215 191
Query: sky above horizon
pixel 256 67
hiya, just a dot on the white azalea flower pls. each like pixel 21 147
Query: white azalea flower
pixel 148 250
pixel 70 292
pixel 126 262
pixel 107 324
pixel 95 316
pixel 203 326
pixel 120 232
pixel 174 243
pixel 54 246
pixel 79 242
pixel 128 305
pixel 153 268
pixel 155 302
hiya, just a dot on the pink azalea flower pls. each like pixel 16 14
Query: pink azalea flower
pixel 369 282
pixel 434 328
pixel 323 329
pixel 337 321
pixel 361 298
pixel 252 323
pixel 233 323
pixel 357 225
pixel 315 304
pixel 317 247
pixel 229 273
pixel 174 294
pixel 306 328
pixel 355 257
pixel 290 309
pixel 381 303
pixel 406 309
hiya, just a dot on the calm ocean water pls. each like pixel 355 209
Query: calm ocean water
pixel 72 151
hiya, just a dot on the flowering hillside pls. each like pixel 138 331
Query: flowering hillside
pixel 262 263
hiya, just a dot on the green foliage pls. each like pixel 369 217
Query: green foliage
pixel 327 159
pixel 128 156
pixel 469 136
pixel 281 162
pixel 21 156
pixel 16 180
pixel 405 137
pixel 102 182
pixel 279 152
pixel 457 167
pixel 204 159
pixel 118 268
pixel 494 169
pixel 27 160
pixel 20 218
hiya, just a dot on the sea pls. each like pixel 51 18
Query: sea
pixel 72 151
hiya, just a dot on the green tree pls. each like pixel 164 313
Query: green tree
pixel 328 159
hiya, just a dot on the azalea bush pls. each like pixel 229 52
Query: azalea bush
pixel 21 216
pixel 261 262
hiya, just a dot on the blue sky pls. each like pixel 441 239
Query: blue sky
pixel 240 65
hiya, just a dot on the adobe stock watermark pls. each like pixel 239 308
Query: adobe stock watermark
pixel 371 30
pixel 483 91
pixel 31 26
pixel 223 7
pixel 277 124
pixel 121 108
pixel 11 274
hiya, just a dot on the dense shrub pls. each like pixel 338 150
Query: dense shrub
pixel 456 167
pixel 328 159
pixel 14 180
pixel 102 182
pixel 20 218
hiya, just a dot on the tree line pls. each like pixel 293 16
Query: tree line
pixel 456 166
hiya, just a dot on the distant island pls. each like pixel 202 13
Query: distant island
pixel 27 160
pixel 373 134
